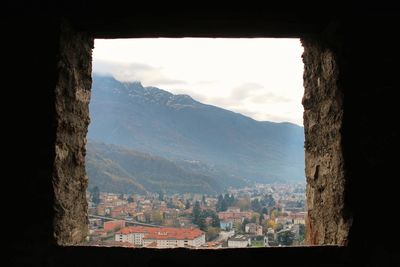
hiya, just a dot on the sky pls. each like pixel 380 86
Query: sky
pixel 260 77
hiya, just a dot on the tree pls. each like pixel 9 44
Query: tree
pixel 274 213
pixel 302 233
pixel 121 196
pixel 286 238
pixel 264 211
pixel 171 205
pixel 202 223
pixel 156 217
pixel 161 196
pixel 256 205
pixel 243 227
pixel 243 203
pixel 187 205
pixel 147 216
pixel 278 227
pixel 96 196
pixel 196 213
pixel 130 199
pixel 212 233
pixel 230 200
pixel 237 226
pixel 215 219
pixel 255 218
pixel 268 201
pixel 271 224
pixel 302 230
pixel 221 204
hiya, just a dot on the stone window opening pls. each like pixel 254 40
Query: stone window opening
pixel 328 221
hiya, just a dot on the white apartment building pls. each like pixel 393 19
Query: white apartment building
pixel 164 237
pixel 239 241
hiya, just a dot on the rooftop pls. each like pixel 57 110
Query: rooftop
pixel 163 232
pixel 239 238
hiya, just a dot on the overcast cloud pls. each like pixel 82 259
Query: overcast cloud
pixel 144 73
pixel 260 78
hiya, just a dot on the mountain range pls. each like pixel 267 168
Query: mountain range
pixel 215 147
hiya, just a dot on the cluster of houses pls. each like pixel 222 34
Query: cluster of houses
pixel 115 213
pixel 254 234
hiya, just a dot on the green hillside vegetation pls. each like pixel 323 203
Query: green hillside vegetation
pixel 116 169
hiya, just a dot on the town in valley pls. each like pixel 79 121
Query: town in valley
pixel 263 215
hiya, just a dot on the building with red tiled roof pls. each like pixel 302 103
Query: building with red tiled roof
pixel 118 211
pixel 161 237
pixel 253 228
pixel 234 215
pixel 112 225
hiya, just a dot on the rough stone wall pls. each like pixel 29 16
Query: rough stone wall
pixel 323 120
pixel 372 135
pixel 72 95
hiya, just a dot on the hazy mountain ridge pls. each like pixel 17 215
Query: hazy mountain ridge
pixel 117 169
pixel 179 128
